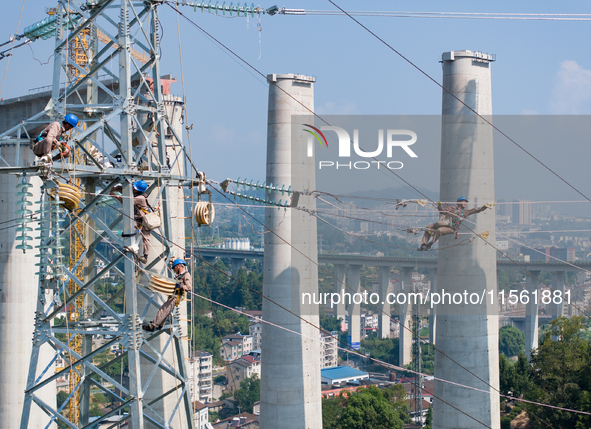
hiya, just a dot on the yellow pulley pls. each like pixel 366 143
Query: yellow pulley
pixel 204 213
pixel 69 195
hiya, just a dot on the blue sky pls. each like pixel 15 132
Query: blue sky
pixel 542 67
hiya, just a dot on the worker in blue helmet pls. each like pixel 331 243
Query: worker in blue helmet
pixel 183 286
pixel 450 218
pixel 53 137
pixel 140 208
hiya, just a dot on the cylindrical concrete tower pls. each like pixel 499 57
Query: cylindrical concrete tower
pixel 290 375
pixel 467 333
pixel 19 289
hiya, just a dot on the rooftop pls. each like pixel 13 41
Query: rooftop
pixel 338 372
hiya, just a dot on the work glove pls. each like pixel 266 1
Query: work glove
pixel 489 205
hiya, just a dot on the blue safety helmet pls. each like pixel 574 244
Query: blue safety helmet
pixel 140 186
pixel 177 262
pixel 462 199
pixel 71 119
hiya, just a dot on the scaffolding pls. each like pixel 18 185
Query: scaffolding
pixel 121 139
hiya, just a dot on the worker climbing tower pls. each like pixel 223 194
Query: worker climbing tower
pixel 129 130
pixel 467 333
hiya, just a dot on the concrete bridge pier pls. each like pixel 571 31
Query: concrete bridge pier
pixel 384 316
pixel 557 285
pixel 209 259
pixel 339 287
pixel 433 310
pixel 354 310
pixel 236 265
pixel 405 339
pixel 531 314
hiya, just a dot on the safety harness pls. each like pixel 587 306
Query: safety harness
pixel 180 294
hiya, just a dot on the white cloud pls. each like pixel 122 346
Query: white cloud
pixel 332 108
pixel 572 91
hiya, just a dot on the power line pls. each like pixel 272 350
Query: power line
pixel 457 99
pixel 386 364
pixel 447 15
pixel 260 294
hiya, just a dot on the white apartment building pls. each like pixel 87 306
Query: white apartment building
pixel 240 369
pixel 235 346
pixel 200 376
pixel 256 331
pixel 329 350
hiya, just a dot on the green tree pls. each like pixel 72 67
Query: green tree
pixel 249 393
pixel 560 376
pixel 382 349
pixel 330 323
pixel 368 409
pixel 511 341
pixel 61 397
pixel 331 412
pixel 506 375
pixel 429 419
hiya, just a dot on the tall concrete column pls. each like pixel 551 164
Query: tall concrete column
pixel 339 287
pixel 467 333
pixel 19 289
pixel 353 309
pixel 531 313
pixel 433 310
pixel 290 367
pixel 405 339
pixel 384 316
pixel 236 264
pixel 557 285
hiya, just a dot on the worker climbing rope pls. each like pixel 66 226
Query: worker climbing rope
pixel 449 221
pixel 183 286
pixel 54 137
pixel 141 210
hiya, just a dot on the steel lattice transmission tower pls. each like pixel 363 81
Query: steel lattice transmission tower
pixel 416 404
pixel 125 135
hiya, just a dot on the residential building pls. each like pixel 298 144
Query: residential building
pixel 235 345
pixel 254 315
pixel 369 321
pixel 242 420
pixel 200 374
pixel 240 369
pixel 329 350
pixel 521 212
pixel 201 416
pixel 256 330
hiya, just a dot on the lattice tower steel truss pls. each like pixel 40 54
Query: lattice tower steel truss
pixel 121 139
pixel 416 395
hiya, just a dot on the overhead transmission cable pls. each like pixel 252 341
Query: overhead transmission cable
pixel 387 365
pixel 348 349
pixel 446 15
pixel 410 185
pixel 458 99
pixel 253 68
pixel 203 261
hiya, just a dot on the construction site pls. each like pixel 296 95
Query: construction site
pixel 139 288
